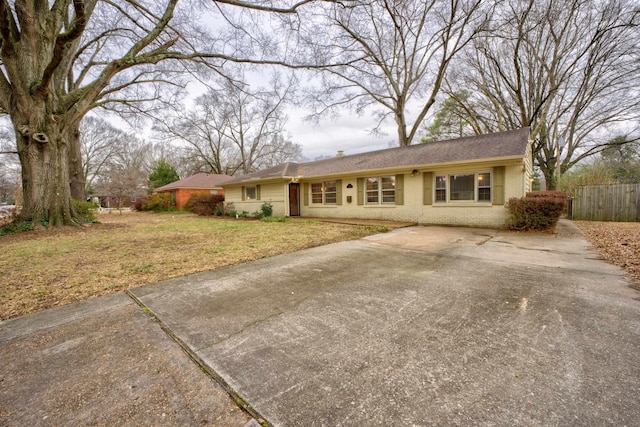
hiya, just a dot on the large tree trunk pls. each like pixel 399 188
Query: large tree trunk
pixel 43 148
pixel 76 173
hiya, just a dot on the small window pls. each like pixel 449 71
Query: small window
pixel 316 193
pixel 372 190
pixel 380 189
pixel 484 187
pixel 173 198
pixel 324 192
pixel 388 189
pixel 441 188
pixel 330 192
pixel 250 193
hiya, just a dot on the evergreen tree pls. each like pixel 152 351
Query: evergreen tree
pixel 161 174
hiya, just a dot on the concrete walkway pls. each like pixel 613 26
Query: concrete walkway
pixel 419 326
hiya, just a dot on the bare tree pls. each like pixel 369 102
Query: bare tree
pixel 568 70
pixel 394 55
pixel 100 143
pixel 61 59
pixel 124 176
pixel 234 128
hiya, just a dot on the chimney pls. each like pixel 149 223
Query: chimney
pixel 340 153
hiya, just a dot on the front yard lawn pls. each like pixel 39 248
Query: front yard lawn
pixel 44 269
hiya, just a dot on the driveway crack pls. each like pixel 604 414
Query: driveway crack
pixel 208 370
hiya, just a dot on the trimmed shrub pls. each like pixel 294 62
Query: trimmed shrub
pixel 534 213
pixel 205 204
pixel 559 196
pixel 86 210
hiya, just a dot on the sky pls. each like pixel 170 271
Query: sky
pixel 348 132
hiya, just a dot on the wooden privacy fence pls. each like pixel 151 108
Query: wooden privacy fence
pixel 615 202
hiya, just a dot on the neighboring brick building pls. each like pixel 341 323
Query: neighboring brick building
pixel 464 181
pixel 201 183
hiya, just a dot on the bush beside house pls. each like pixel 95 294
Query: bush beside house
pixel 205 204
pixel 538 211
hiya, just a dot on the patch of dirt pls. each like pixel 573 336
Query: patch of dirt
pixel 618 242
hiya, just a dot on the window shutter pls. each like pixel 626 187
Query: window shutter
pixel 338 192
pixel 399 189
pixel 427 185
pixel 243 193
pixel 498 185
pixel 361 191
pixel 257 192
pixel 305 190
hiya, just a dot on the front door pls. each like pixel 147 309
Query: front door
pixel 294 199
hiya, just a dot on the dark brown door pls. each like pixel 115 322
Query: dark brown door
pixel 294 199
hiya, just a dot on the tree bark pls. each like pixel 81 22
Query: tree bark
pixel 76 172
pixel 43 149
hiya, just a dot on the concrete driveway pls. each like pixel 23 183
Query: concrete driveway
pixel 420 326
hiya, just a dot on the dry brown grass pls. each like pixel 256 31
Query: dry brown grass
pixel 619 242
pixel 50 268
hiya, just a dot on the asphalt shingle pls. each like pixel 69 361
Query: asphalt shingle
pixel 500 145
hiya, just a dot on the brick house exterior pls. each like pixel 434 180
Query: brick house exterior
pixel 201 183
pixel 464 181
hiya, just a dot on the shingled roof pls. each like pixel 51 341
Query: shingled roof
pixel 200 180
pixel 495 146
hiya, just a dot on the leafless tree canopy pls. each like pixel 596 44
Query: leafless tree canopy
pixel 101 144
pixel 569 70
pixel 59 60
pixel 394 55
pixel 234 128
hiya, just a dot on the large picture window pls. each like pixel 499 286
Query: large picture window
pixel 324 192
pixel 463 188
pixel 380 189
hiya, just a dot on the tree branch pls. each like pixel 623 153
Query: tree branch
pixel 287 10
pixel 79 24
pixel 8 29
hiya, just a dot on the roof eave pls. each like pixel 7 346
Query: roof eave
pixel 263 180
pixel 421 166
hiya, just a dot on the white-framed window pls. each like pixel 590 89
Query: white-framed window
pixel 467 187
pixel 380 189
pixel 324 192
pixel 484 187
pixel 441 189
